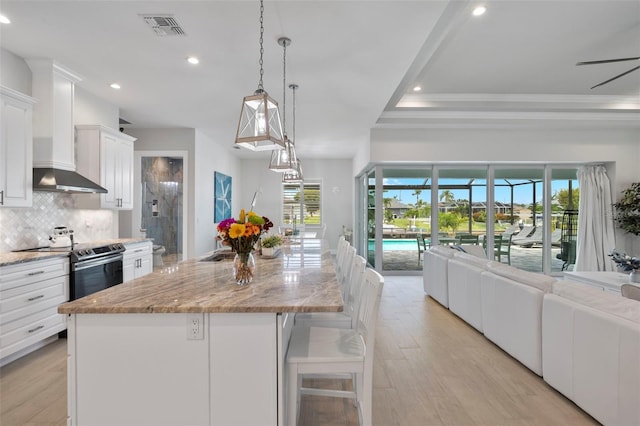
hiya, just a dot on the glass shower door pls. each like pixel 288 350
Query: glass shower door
pixel 162 205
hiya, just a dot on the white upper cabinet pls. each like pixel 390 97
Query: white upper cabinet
pixel 105 155
pixel 16 148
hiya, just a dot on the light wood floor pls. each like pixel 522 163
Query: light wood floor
pixel 431 368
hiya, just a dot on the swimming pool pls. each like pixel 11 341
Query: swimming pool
pixel 396 244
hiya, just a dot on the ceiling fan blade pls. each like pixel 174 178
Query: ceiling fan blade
pixel 606 61
pixel 616 77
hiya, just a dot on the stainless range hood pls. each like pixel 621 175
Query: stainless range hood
pixel 53 132
pixel 57 180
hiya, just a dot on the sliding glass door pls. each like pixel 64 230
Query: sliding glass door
pixel 524 215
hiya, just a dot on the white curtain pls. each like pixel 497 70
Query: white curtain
pixel 596 237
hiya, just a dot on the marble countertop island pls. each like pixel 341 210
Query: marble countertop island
pixel 221 346
pixel 301 278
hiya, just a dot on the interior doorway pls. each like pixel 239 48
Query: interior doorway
pixel 160 202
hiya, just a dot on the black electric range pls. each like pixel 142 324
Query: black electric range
pixel 93 267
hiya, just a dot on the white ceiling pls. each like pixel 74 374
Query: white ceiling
pixel 356 63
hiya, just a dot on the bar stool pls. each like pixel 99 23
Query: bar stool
pixel 321 351
pixel 346 318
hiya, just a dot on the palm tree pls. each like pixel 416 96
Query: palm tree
pixel 417 193
pixel 447 196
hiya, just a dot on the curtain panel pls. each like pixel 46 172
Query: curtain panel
pixel 596 236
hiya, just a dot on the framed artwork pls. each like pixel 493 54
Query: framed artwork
pixel 222 197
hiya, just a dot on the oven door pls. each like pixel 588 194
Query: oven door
pixel 90 276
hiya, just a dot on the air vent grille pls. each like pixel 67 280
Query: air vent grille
pixel 164 25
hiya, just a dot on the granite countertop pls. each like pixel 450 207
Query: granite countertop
pixel 301 278
pixel 11 258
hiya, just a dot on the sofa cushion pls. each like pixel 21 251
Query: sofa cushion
pixel 533 279
pixel 600 300
pixel 471 249
pixel 443 251
pixel 480 262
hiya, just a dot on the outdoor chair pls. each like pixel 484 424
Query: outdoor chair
pixel 529 239
pixel 501 246
pixel 567 253
pixel 422 246
pixel 505 249
pixel 468 239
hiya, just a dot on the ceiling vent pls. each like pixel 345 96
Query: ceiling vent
pixel 164 25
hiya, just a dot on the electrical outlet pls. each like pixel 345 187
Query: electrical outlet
pixel 195 326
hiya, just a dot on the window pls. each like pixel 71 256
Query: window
pixel 302 204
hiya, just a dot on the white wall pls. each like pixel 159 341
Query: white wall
pixel 620 148
pixel 90 109
pixel 337 191
pixel 213 157
pixel 14 72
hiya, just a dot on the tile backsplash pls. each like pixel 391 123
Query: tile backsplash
pixel 22 228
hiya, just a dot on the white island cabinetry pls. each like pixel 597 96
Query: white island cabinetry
pixel 137 260
pixel 105 155
pixel 191 347
pixel 30 293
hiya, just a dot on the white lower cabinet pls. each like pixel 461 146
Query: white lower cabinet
pixel 137 260
pixel 30 293
pixel 148 369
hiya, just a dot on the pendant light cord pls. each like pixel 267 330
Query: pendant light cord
pixel 284 85
pixel 293 89
pixel 260 85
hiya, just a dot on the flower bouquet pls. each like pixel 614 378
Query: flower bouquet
pixel 625 262
pixel 241 235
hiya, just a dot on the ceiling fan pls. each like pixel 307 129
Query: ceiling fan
pixel 605 61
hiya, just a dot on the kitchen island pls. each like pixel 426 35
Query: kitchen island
pixel 187 346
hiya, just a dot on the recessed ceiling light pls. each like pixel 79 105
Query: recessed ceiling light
pixel 4 20
pixel 115 86
pixel 417 89
pixel 193 60
pixel 479 10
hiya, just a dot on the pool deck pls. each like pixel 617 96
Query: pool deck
pixel 529 259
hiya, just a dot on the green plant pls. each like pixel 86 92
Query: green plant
pixel 627 210
pixel 450 221
pixel 271 241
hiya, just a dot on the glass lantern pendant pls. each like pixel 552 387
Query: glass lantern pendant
pixel 259 127
pixel 295 176
pixel 284 160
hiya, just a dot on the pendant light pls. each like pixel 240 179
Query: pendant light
pixel 294 176
pixel 259 127
pixel 284 160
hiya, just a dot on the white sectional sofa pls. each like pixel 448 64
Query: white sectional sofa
pixel 512 311
pixel 435 273
pixel 582 341
pixel 463 275
pixel 591 351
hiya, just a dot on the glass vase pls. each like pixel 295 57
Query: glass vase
pixel 634 276
pixel 244 266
